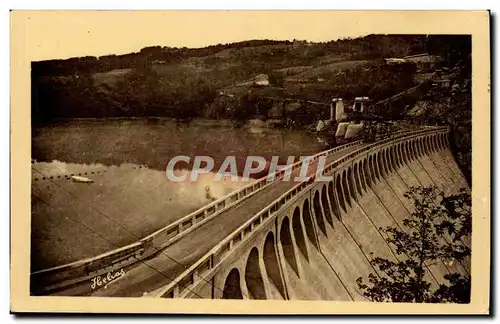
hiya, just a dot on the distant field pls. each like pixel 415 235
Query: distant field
pixel 328 59
pixel 295 70
pixel 327 70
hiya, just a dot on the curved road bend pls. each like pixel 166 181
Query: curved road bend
pixel 150 275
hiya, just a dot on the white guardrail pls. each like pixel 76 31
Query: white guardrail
pixel 56 278
pixel 207 265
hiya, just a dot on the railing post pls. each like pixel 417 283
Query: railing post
pixel 195 275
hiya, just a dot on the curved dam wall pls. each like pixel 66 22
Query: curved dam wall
pixel 318 243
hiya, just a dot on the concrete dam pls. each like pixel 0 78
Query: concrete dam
pixel 306 240
pixel 318 244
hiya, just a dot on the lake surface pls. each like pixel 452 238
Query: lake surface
pixel 131 196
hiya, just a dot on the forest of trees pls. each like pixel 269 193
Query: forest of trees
pixel 183 82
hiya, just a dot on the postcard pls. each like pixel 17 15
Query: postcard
pixel 250 162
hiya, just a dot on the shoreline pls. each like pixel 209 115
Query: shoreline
pixel 255 122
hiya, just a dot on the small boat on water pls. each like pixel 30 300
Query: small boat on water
pixel 81 179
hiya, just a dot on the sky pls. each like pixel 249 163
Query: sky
pixel 68 34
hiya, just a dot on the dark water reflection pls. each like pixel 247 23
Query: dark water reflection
pixel 114 142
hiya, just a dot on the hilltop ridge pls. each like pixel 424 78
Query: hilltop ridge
pixel 187 83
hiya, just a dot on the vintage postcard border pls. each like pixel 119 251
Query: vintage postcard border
pixel 476 23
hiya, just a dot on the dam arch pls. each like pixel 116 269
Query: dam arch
pixel 326 206
pixel 340 193
pixel 367 173
pixel 388 160
pixel 396 156
pixel 345 189
pixel 375 167
pixel 371 172
pixel 386 164
pixel 400 154
pixel 397 162
pixel 253 276
pixel 383 160
pixel 331 194
pixel 299 233
pixel 232 286
pixel 350 182
pixel 308 223
pixel 362 174
pixel 407 150
pixel 394 159
pixel 272 265
pixel 357 179
pixel 287 244
pixel 373 162
pixel 379 166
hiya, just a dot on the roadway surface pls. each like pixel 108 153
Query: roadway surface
pixel 149 275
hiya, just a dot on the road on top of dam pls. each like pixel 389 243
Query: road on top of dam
pixel 149 275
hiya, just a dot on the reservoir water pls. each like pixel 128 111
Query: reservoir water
pixel 130 196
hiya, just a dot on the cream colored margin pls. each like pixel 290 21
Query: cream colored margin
pixel 29 32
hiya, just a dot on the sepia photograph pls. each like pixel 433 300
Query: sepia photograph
pixel 259 155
